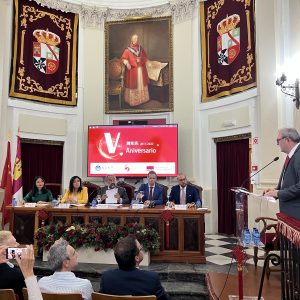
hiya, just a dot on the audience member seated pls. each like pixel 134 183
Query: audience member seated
pixel 62 258
pixel 39 193
pixel 10 277
pixel 129 279
pixel 183 193
pixel 111 183
pixel 26 263
pixel 76 193
pixel 150 191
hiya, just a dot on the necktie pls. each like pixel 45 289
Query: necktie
pixel 151 193
pixel 182 196
pixel 287 159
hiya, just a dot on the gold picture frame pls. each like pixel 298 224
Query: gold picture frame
pixel 139 66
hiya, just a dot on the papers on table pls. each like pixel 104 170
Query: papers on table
pixel 111 196
pixel 77 204
pixel 108 206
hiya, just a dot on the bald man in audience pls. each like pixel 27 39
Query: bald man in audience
pixel 10 277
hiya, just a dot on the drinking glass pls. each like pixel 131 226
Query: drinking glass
pixel 98 198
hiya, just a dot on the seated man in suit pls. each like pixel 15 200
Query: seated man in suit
pixel 183 193
pixel 129 279
pixel 10 277
pixel 111 183
pixel 150 191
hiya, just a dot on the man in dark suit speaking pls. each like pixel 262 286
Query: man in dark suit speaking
pixel 129 279
pixel 183 193
pixel 288 188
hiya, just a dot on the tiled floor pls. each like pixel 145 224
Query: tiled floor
pixel 218 250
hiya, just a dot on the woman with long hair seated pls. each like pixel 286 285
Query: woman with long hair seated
pixel 39 192
pixel 76 193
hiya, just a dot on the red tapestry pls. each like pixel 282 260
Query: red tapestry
pixel 44 62
pixel 228 47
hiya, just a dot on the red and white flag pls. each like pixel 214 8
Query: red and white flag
pixel 17 174
pixel 6 184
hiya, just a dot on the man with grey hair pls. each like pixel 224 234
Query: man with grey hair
pixel 288 188
pixel 111 183
pixel 62 258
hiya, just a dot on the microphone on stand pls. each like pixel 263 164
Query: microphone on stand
pixel 247 179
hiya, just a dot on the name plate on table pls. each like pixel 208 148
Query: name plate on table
pixel 180 206
pixel 137 206
pixel 63 205
pixel 108 206
pixel 30 204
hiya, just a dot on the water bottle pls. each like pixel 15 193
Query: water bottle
pixel 246 237
pixel 14 202
pixel 54 202
pixel 198 204
pixel 255 237
pixel 94 202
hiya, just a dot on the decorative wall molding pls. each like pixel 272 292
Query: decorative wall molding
pixel 96 15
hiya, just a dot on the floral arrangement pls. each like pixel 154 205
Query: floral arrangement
pixel 98 236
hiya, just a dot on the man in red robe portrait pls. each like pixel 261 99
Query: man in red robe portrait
pixel 136 78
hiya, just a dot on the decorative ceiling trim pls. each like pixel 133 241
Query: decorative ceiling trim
pixel 94 16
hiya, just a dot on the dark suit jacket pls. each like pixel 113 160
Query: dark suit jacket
pixel 135 282
pixel 157 194
pixel 191 194
pixel 289 191
pixel 121 191
pixel 12 278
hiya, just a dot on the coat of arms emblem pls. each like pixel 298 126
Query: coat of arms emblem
pixel 45 51
pixel 228 41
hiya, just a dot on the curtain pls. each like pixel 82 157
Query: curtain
pixel 41 160
pixel 232 171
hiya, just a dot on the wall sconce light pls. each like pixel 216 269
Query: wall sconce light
pixel 289 89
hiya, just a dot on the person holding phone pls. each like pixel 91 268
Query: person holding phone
pixel 11 277
pixel 39 192
pixel 76 193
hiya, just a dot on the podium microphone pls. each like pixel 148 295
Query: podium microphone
pixel 247 179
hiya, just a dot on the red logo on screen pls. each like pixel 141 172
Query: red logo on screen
pixel 149 168
pixel 109 147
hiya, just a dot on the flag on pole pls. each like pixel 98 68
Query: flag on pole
pixel 17 175
pixel 6 184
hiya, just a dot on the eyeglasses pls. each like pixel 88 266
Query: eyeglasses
pixel 182 179
pixel 141 249
pixel 278 140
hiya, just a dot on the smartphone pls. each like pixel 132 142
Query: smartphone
pixel 12 252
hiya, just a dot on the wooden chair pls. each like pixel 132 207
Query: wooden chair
pixel 115 75
pixel 92 189
pixel 100 296
pixel 55 189
pixel 48 296
pixel 269 238
pixel 129 189
pixel 198 188
pixel 165 191
pixel 7 294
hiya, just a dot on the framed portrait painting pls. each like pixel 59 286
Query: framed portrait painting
pixel 139 66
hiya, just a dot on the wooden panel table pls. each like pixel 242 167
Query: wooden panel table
pixel 186 236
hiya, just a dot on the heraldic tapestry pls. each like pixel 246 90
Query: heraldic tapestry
pixel 228 47
pixel 44 62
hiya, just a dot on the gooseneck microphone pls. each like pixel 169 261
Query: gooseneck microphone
pixel 247 179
